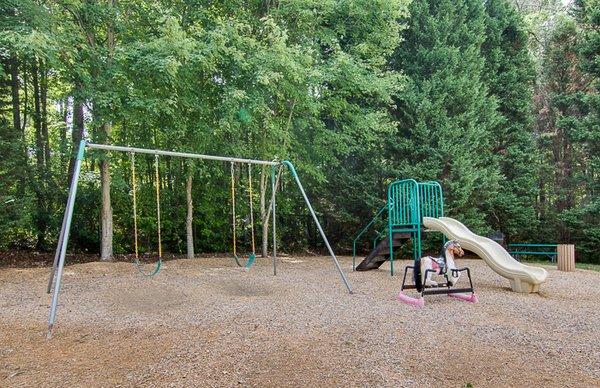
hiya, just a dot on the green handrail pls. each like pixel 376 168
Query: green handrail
pixel 384 207
pixel 379 235
pixel 431 199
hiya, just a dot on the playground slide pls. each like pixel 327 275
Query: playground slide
pixel 523 278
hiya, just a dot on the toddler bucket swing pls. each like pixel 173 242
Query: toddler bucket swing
pixel 137 263
pixel 252 256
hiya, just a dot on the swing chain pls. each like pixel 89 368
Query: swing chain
pixel 134 194
pixel 233 212
pixel 251 207
pixel 252 256
pixel 157 177
pixel 135 224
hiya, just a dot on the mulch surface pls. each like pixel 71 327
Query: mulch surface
pixel 206 322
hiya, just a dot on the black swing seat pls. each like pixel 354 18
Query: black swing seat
pixel 440 288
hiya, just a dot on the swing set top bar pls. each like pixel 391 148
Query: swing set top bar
pixel 179 154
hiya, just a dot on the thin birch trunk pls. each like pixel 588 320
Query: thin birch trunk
pixel 189 224
pixel 265 214
pixel 106 244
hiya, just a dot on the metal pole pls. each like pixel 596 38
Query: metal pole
pixel 273 191
pixel 57 254
pixel 312 212
pixel 179 154
pixel 63 246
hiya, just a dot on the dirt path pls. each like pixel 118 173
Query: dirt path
pixel 205 322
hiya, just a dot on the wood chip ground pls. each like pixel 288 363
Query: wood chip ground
pixel 205 322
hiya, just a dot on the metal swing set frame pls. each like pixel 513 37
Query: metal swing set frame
pixel 54 282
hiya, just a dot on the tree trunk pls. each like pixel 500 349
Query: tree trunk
pixel 106 244
pixel 37 121
pixel 44 117
pixel 106 215
pixel 190 216
pixel 77 133
pixel 64 112
pixel 265 213
pixel 19 147
pixel 38 185
pixel 14 87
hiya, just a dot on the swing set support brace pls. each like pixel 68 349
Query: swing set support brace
pixel 62 246
pixel 290 166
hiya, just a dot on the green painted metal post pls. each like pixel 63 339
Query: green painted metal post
pixel 273 192
pixel 391 208
pixel 417 220
pixel 391 242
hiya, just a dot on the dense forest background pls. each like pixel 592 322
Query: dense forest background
pixel 496 99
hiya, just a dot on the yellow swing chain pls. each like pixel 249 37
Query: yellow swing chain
pixel 251 206
pixel 233 208
pixel 135 225
pixel 134 192
pixel 157 176
pixel 233 219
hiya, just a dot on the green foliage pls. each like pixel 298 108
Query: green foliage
pixel 355 93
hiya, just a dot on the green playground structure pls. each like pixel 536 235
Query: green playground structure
pixel 413 207
pixel 408 201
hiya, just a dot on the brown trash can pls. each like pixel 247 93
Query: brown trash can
pixel 565 257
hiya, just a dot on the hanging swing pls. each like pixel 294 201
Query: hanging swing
pixel 252 256
pixel 137 263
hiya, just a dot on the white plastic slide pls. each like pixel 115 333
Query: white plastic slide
pixel 523 278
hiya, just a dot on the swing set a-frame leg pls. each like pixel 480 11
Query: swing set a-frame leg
pixel 314 216
pixel 57 254
pixel 65 240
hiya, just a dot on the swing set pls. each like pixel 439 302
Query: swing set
pixel 54 282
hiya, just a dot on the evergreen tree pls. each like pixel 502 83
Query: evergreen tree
pixel 509 75
pixel 563 81
pixel 570 139
pixel 584 218
pixel 446 115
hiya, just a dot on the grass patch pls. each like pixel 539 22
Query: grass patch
pixel 591 267
pixel 588 266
